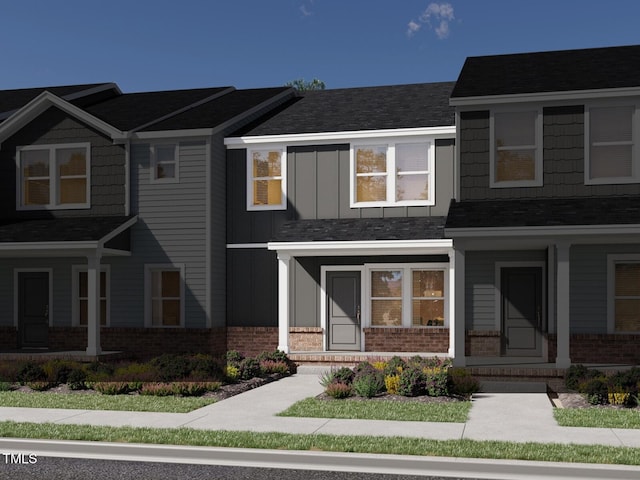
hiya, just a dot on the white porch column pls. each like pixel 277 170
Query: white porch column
pixel 93 301
pixel 457 321
pixel 283 301
pixel 563 359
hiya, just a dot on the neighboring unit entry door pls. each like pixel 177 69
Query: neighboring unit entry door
pixel 343 310
pixel 33 309
pixel 522 318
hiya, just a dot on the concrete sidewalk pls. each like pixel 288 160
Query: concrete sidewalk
pixel 494 416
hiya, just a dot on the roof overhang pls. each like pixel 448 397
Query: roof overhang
pixel 41 103
pixel 369 247
pixel 67 248
pixel 447 131
pixel 546 97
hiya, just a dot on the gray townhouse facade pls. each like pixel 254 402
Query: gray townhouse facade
pixel 546 220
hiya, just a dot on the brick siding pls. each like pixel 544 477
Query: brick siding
pixel 251 341
pixel 305 339
pixel 482 343
pixel 431 340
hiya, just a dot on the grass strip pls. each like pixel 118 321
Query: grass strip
pixel 456 412
pixel 130 403
pixel 333 443
pixel 597 417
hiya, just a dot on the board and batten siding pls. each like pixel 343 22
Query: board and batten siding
pixel 171 229
pixel 481 284
pixel 107 176
pixel 563 159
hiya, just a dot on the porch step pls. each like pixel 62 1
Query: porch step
pixel 513 387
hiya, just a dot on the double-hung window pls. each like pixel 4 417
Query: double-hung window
pixel 80 284
pixel 624 293
pixel 407 295
pixel 516 148
pixel 164 163
pixel 53 176
pixel 266 179
pixel 610 145
pixel 399 173
pixel 165 295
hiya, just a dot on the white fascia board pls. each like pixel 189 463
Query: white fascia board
pixel 90 91
pixel 45 100
pixel 369 247
pixel 574 95
pixel 448 131
pixel 577 230
pixel 119 230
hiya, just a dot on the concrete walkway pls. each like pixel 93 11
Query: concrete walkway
pixel 494 416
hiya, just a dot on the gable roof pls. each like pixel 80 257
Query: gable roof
pixel 555 71
pixel 357 109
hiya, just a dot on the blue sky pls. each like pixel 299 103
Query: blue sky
pixel 162 45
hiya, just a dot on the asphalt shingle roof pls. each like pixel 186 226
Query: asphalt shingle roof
pixel 14 99
pixel 557 71
pixel 544 212
pixel 68 229
pixel 370 108
pixel 359 229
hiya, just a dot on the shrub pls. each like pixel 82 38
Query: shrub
pixel 267 367
pixel 205 367
pixel 249 368
pixel 278 356
pixel 58 371
pixel 111 388
pixel 343 375
pixel 5 386
pixel 76 379
pixel 462 382
pixel 40 386
pixel 395 365
pixel 9 371
pixel 618 396
pixel 139 372
pixel 368 384
pixel 31 372
pixel 577 374
pixel 392 383
pixel 99 372
pixel 231 373
pixel 379 365
pixel 595 390
pixel 412 382
pixel 436 381
pixel 171 367
pixel 157 389
pixel 338 390
pixel 234 357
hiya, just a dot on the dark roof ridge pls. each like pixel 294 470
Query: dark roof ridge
pixel 560 52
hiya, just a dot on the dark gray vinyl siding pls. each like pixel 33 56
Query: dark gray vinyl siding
pixel 252 288
pixel 56 127
pixel 318 187
pixel 480 284
pixel 563 158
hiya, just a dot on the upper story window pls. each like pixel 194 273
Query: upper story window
pixel 516 153
pixel 164 163
pixel 399 173
pixel 266 179
pixel 53 176
pixel 610 145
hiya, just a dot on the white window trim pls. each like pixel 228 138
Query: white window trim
pixel 153 163
pixel 406 268
pixel 148 269
pixel 635 149
pixel 538 181
pixel 16 300
pixel 54 177
pixel 390 144
pixel 75 300
pixel 612 260
pixel 283 177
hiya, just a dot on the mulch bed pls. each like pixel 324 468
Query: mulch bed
pixel 577 400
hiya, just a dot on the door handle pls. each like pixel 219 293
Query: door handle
pixel 358 314
pixel 46 311
pixel 538 316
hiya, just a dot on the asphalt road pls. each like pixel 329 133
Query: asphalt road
pixel 47 468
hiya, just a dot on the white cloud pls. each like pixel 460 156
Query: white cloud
pixel 412 28
pixel 305 11
pixel 438 13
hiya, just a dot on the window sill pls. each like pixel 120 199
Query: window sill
pixel 20 208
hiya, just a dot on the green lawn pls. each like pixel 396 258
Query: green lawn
pixel 334 443
pixel 597 417
pixel 380 410
pixel 132 403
